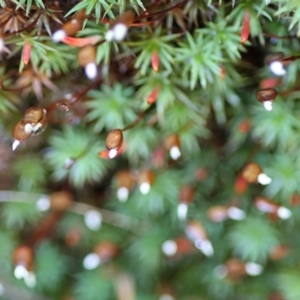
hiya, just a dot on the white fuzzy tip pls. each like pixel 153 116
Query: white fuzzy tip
pixel 175 153
pixel 182 210
pixel 109 36
pixel 28 128
pixel 120 32
pixel 253 269
pixel 1 45
pixel 169 248
pixel 117 33
pixel 15 145
pixel 268 105
pixel 284 213
pixel 205 246
pixel 112 153
pixel 58 35
pixel 30 280
pixel 235 213
pixel 2 289
pixel 91 70
pixel 276 68
pixel 68 162
pixel 145 188
pixel 91 261
pixel 264 179
pixel 20 272
pixel 43 204
pixel 220 271
pixel 166 297
pixel 122 194
pixel 93 219
pixel 37 127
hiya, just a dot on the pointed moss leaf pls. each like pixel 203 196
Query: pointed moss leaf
pixel 278 127
pixel 91 284
pixel 146 253
pixel 285 10
pixel 16 214
pixel 82 147
pixel 111 107
pixel 288 283
pixel 199 66
pixel 158 42
pixel 31 172
pixel 139 142
pixel 285 173
pixel 253 238
pixel 163 194
pixel 50 267
pixel 8 242
pixel 97 7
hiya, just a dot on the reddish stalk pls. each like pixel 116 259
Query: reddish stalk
pixel 45 228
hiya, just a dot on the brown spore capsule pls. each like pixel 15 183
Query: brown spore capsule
pixel 23 255
pixel 187 194
pixel 33 115
pixel 86 55
pixel 114 139
pixel 251 172
pixel 19 132
pixel 264 95
pixel 61 200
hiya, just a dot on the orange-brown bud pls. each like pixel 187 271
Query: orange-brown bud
pixel 114 139
pixel 187 194
pixel 146 176
pixel 23 255
pixel 153 96
pixel 245 27
pixel 217 213
pixel 72 26
pixel 125 179
pixel 33 115
pixel 195 231
pixel 268 94
pixel 106 250
pixel 279 252
pixel 171 141
pixel 86 55
pixel 19 133
pixel 155 61
pixel 126 18
pixel 251 171
pixel 146 179
pixel 61 200
pixel 235 269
